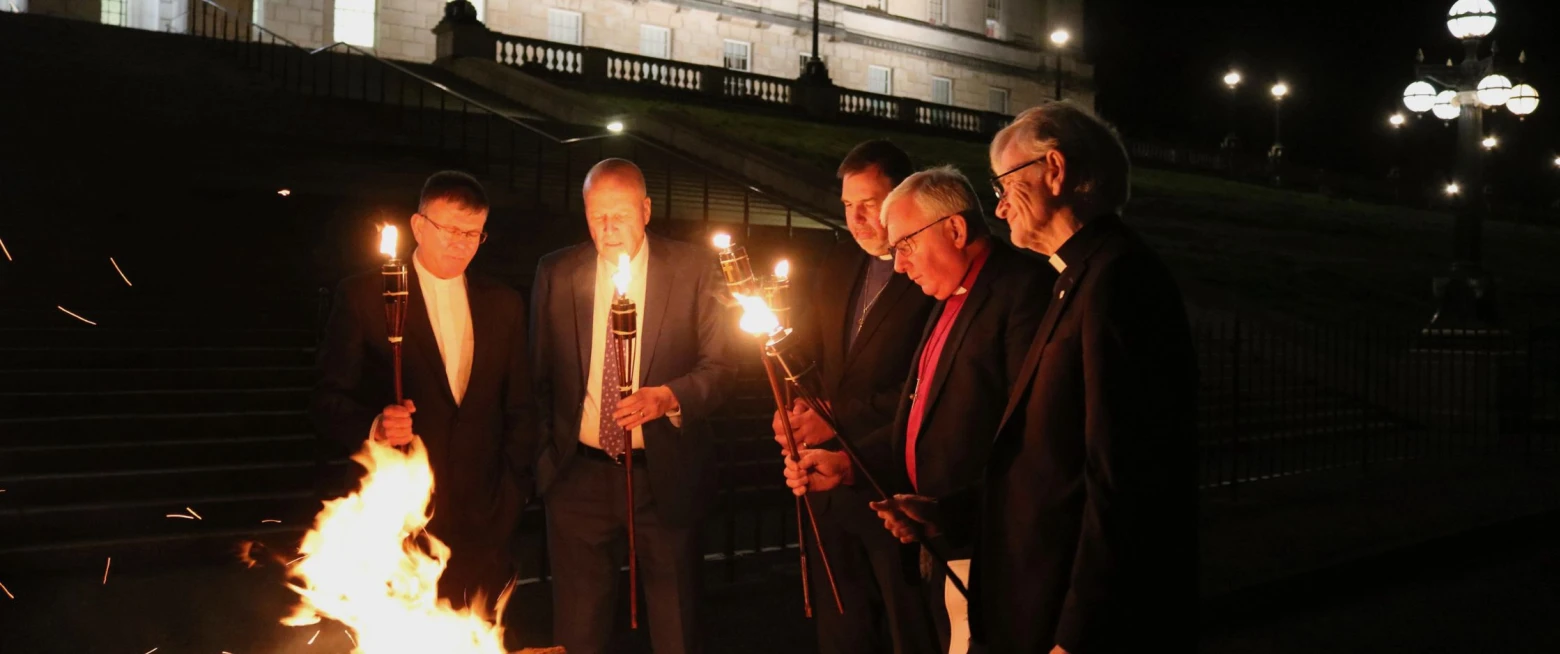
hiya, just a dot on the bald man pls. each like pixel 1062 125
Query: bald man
pixel 681 371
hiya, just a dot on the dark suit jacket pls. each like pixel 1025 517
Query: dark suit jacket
pixel 863 384
pixel 978 365
pixel 480 451
pixel 685 345
pixel 1087 537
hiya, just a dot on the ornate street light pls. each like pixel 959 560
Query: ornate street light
pixel 1232 80
pixel 1396 120
pixel 1276 153
pixel 1464 295
pixel 1059 38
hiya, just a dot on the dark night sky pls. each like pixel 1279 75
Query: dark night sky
pixel 1159 66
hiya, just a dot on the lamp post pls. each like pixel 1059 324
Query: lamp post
pixel 1059 38
pixel 1232 81
pixel 1395 171
pixel 1464 296
pixel 1276 152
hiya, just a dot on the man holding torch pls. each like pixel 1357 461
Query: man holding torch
pixel 970 353
pixel 678 374
pixel 860 322
pixel 465 379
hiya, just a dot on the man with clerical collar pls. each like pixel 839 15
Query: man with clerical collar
pixel 466 384
pixel 1086 535
pixel 969 355
pixel 861 322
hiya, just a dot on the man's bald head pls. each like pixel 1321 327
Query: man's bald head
pixel 618 173
pixel 616 208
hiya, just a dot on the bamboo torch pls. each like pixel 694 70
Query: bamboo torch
pixel 625 331
pixel 394 272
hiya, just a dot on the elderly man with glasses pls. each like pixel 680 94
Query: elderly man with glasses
pixel 1086 540
pixel 466 379
pixel 970 353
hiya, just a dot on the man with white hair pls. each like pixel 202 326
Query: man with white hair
pixel 970 353
pixel 1086 538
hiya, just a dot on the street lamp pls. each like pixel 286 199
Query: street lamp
pixel 1396 120
pixel 1463 295
pixel 1059 38
pixel 1231 80
pixel 1276 153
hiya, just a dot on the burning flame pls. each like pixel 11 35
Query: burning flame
pixel 387 237
pixel 622 277
pixel 783 269
pixel 368 564
pixel 722 241
pixel 757 319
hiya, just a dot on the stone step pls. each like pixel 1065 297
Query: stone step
pixel 145 402
pixel 37 490
pixel 62 380
pixel 16 432
pixel 145 357
pixel 155 454
pixel 146 518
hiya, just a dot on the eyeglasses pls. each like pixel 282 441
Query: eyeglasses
pixel 906 246
pixel 996 182
pixel 458 234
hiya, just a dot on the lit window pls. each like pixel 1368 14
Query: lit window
pixel 564 27
pixel 737 56
pixel 355 22
pixel 655 41
pixel 113 12
pixel 997 100
pixel 942 90
pixel 880 80
pixel 937 12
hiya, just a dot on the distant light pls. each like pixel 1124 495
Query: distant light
pixel 1419 97
pixel 1060 37
pixel 1557 162
pixel 1396 120
pixel 1232 79
pixel 1471 19
pixel 1489 142
pixel 1494 90
pixel 1446 107
pixel 1453 189
pixel 284 193
pixel 1524 99
pixel 616 127
pixel 1280 90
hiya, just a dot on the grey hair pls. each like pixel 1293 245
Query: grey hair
pixel 942 191
pixel 1098 170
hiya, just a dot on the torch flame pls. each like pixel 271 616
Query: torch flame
pixel 387 237
pixel 722 241
pixel 622 277
pixel 368 564
pixel 783 269
pixel 756 319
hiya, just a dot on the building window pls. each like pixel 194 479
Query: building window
pixel 937 11
pixel 355 22
pixel 880 80
pixel 564 27
pixel 259 9
pixel 113 12
pixel 942 90
pixel 481 6
pixel 655 41
pixel 880 5
pixel 997 100
pixel 737 56
pixel 993 18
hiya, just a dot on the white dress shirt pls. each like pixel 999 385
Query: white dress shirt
pixel 590 417
pixel 449 312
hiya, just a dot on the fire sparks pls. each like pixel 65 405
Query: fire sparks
pixel 372 566
pixel 6 250
pixel 311 638
pixel 105 569
pixel 756 319
pixel 121 272
pixel 387 241
pixel 270 520
pixel 349 637
pixel 193 513
pixel 73 315
pixel 7 591
pixel 179 515
pixel 284 192
pixel 151 650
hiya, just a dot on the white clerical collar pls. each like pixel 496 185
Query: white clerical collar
pixel 427 277
pixel 1058 264
pixel 885 257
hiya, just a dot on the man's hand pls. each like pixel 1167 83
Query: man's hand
pixel 395 424
pixel 808 427
pixel 644 405
pixel 818 471
pixel 909 517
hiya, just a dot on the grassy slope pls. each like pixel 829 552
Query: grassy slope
pixel 1239 247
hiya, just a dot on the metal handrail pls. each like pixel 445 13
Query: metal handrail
pixel 705 168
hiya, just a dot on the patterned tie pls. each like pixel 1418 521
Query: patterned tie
pixel 613 440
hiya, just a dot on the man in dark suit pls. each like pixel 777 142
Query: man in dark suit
pixel 969 354
pixel 861 322
pixel 466 384
pixel 681 371
pixel 1086 538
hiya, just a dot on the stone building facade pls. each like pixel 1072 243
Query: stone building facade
pixel 992 55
